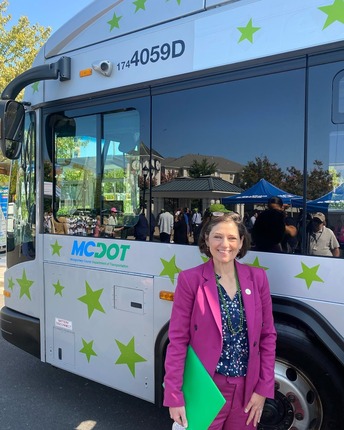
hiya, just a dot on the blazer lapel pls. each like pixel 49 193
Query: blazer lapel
pixel 247 293
pixel 210 290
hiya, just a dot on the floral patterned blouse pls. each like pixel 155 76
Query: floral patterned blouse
pixel 234 356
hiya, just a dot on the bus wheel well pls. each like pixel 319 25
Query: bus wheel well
pixel 308 384
pixel 297 315
pixel 309 334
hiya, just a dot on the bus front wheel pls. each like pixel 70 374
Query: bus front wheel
pixel 308 387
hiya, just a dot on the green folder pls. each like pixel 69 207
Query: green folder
pixel 203 400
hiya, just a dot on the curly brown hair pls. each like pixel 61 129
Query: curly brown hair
pixel 224 217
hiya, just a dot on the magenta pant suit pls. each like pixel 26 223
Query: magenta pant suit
pixel 196 320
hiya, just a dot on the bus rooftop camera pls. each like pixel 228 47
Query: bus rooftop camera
pixel 103 67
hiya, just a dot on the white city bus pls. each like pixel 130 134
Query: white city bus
pixel 116 101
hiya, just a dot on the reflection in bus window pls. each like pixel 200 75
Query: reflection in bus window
pixel 234 132
pixel 326 139
pixel 21 231
pixel 97 175
pixel 198 155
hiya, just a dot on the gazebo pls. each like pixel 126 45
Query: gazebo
pixel 206 189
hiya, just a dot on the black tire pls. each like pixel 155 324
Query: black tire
pixel 309 385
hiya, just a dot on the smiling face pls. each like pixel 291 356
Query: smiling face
pixel 224 242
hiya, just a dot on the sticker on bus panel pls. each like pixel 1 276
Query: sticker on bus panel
pixel 62 323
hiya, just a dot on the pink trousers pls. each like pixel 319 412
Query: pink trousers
pixel 232 416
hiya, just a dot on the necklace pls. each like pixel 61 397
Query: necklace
pixel 225 307
pixel 315 238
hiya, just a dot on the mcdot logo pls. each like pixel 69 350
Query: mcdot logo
pixel 99 250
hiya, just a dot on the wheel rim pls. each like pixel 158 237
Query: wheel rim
pixel 297 404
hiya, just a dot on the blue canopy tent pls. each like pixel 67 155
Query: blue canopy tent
pixel 260 193
pixel 332 201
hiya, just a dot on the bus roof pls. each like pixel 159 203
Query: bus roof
pixel 108 19
pixel 148 41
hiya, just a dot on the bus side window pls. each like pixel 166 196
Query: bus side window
pixel 338 98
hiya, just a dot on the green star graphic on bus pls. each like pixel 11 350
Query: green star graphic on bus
pixel 170 268
pixel 35 87
pixel 114 22
pixel 256 264
pixel 87 349
pixel 334 12
pixel 56 248
pixel 11 284
pixel 247 32
pixel 178 1
pixel 91 299
pixel 309 274
pixel 25 285
pixel 58 288
pixel 140 4
pixel 128 355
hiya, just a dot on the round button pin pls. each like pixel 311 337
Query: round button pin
pixel 248 291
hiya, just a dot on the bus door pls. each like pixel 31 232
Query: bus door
pixel 99 312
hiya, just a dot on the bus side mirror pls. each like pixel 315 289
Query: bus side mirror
pixel 12 120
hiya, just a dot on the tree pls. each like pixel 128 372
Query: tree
pixel 203 168
pixel 320 181
pixel 261 168
pixel 19 45
pixel 293 182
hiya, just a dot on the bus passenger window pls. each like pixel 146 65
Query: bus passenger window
pixel 338 98
pixel 100 183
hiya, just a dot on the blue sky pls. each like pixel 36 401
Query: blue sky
pixel 45 12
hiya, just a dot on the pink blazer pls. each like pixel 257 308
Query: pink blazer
pixel 196 320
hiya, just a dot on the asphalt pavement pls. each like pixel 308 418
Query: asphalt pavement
pixel 36 395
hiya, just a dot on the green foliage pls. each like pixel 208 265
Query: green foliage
pixel 73 175
pixel 19 45
pixel 4 180
pixel 65 211
pixel 113 181
pixel 293 181
pixel 202 169
pixel 65 148
pixel 319 181
pixel 261 168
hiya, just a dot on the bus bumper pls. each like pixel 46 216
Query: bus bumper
pixel 21 330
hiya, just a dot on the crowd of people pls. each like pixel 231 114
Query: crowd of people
pixel 182 227
pixel 271 230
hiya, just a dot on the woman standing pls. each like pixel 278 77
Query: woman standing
pixel 223 310
pixel 180 235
